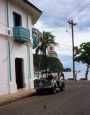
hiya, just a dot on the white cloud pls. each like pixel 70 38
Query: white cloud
pixel 63 37
pixel 54 19
pixel 58 11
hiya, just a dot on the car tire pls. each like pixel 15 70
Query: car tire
pixel 62 87
pixel 37 91
pixel 54 89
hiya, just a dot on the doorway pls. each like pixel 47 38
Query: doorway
pixel 19 63
pixel 17 19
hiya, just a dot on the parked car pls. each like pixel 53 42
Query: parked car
pixel 47 85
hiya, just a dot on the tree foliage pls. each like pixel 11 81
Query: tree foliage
pixel 53 63
pixel 83 55
pixel 41 49
pixel 47 39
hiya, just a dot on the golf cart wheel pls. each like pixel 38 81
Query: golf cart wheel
pixel 62 88
pixel 37 91
pixel 54 89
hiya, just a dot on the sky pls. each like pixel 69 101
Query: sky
pixel 55 16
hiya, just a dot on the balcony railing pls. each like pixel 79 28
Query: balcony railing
pixel 21 34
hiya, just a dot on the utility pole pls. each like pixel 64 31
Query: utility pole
pixel 72 24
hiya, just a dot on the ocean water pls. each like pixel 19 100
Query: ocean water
pixel 79 67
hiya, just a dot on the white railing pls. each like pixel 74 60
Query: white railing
pixel 68 75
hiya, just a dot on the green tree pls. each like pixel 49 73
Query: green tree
pixel 53 64
pixel 45 41
pixel 82 54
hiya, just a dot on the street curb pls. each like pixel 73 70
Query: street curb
pixel 12 99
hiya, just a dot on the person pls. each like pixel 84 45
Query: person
pixel 58 80
pixel 62 76
pixel 50 76
pixel 62 81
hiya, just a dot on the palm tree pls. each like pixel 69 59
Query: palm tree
pixel 45 41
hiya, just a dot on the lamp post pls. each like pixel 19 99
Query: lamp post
pixel 72 24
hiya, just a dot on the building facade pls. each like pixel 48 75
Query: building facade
pixel 17 18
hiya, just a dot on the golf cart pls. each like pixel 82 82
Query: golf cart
pixel 49 84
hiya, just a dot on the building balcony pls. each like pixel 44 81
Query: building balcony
pixel 21 34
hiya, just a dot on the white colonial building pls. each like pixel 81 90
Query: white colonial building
pixel 17 18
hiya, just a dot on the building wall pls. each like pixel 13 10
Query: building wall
pixel 3 66
pixel 3 12
pixel 3 17
pixel 32 68
pixel 26 17
pixel 14 8
pixel 17 50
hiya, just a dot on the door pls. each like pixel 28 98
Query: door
pixel 19 72
pixel 17 19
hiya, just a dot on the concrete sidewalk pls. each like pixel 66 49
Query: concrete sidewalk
pixel 20 94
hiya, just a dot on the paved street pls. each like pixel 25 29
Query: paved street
pixel 74 101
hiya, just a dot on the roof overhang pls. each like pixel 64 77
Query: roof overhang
pixel 30 8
